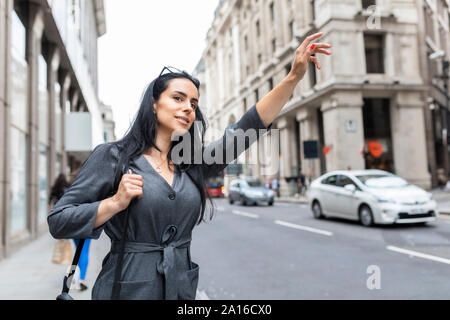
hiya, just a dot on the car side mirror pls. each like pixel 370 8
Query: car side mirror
pixel 350 187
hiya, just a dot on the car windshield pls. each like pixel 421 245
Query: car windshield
pixel 254 183
pixel 213 185
pixel 382 181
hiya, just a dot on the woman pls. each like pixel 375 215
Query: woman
pixel 168 194
pixel 57 190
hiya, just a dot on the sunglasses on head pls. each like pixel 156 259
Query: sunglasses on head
pixel 168 69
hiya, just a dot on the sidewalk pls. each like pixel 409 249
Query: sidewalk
pixel 29 274
pixel 441 196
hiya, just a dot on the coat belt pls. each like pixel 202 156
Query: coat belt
pixel 166 265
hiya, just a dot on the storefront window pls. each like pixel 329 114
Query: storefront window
pixel 43 101
pixel 43 140
pixel 18 128
pixel 19 73
pixel 377 134
pixel 18 191
pixel 58 165
pixel 43 182
pixel 58 119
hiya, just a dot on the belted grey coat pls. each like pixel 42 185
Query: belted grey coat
pixel 157 262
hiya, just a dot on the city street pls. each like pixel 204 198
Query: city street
pixel 244 254
pixel 253 253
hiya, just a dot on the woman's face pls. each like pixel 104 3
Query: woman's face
pixel 175 109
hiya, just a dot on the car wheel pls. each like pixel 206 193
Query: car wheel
pixel 317 210
pixel 230 201
pixel 366 216
pixel 270 203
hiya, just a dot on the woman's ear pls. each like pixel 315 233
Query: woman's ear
pixel 154 105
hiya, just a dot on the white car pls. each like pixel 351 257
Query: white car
pixel 371 197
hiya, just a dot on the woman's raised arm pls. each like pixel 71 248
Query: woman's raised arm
pixel 270 105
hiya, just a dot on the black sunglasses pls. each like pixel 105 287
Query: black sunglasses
pixel 170 70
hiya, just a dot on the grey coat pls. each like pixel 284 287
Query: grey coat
pixel 157 262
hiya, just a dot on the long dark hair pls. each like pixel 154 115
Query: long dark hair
pixel 142 132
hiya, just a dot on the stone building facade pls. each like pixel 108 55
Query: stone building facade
pixel 369 105
pixel 49 111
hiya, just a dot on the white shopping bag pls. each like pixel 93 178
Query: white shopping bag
pixel 75 285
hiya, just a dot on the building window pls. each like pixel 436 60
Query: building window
pixel 246 42
pixel 377 129
pixel 58 165
pixel 245 104
pixel 19 128
pixel 76 17
pixel 18 187
pixel 43 182
pixel 272 11
pixel 443 39
pixel 312 74
pixel 256 96
pixel 270 82
pixel 274 45
pixel 43 139
pixel 259 58
pixel 429 24
pixel 313 10
pixel 373 44
pixel 58 119
pixel 367 3
pixel 292 29
pixel 258 28
pixel 432 65
pixel 287 68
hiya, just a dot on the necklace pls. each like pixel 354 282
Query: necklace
pixel 158 167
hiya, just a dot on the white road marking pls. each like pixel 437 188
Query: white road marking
pixel 304 228
pixel 418 254
pixel 246 214
pixel 220 208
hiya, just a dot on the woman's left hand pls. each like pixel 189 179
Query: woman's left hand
pixel 304 55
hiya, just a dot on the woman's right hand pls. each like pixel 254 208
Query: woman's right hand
pixel 131 186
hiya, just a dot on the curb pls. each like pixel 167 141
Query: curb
pixel 291 200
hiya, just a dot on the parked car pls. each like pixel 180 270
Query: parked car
pixel 249 191
pixel 215 190
pixel 370 196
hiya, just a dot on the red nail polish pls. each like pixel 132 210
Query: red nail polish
pixel 313 46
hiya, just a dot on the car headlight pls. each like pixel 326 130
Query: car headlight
pixel 270 193
pixel 384 200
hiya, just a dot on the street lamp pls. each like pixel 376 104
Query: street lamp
pixel 440 54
